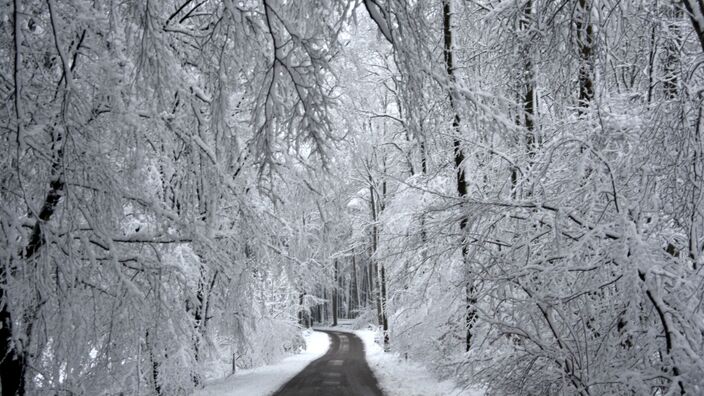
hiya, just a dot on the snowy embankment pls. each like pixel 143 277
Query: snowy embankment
pixel 401 377
pixel 265 380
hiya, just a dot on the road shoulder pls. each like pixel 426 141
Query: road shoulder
pixel 265 380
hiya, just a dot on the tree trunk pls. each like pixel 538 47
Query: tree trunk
pixel 528 83
pixel 324 317
pixel 585 42
pixel 155 364
pixel 372 259
pixel 354 294
pixel 12 361
pixel 459 164
pixel 206 309
pixel 423 157
pixel 526 112
pixel 302 311
pixel 384 318
pixel 673 41
pixel 369 274
pixel 334 297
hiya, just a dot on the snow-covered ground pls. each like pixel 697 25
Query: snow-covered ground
pixel 400 377
pixel 265 380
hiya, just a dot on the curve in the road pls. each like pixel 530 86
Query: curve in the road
pixel 342 371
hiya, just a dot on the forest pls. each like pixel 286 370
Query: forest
pixel 511 191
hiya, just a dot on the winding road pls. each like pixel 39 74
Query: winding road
pixel 342 371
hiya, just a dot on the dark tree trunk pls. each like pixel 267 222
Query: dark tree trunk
pixel 671 63
pixel 528 82
pixel 206 309
pixel 585 43
pixel 354 286
pixel 372 259
pixel 384 318
pixel 526 112
pixel 302 311
pixel 12 362
pixel 319 310
pixel 155 364
pixel 334 296
pixel 325 306
pixel 459 165
pixel 367 283
pixel 198 315
pixel 423 155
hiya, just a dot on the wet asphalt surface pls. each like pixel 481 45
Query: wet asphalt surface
pixel 342 371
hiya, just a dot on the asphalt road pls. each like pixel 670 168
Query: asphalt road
pixel 342 371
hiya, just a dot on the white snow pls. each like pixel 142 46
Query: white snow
pixel 265 380
pixel 400 377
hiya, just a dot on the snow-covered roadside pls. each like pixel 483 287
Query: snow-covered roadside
pixel 400 377
pixel 265 380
